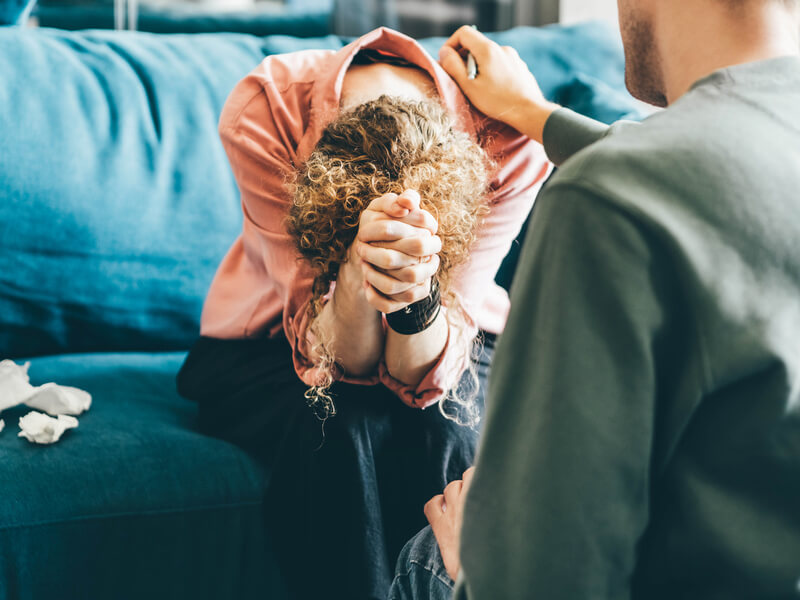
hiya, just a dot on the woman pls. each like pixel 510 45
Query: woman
pixel 349 294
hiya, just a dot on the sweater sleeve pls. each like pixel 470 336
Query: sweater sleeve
pixel 560 497
pixel 567 132
pixel 521 169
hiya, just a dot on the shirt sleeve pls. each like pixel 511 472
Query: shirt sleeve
pixel 521 169
pixel 566 133
pixel 560 497
pixel 261 150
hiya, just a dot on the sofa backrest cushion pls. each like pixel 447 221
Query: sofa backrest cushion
pixel 117 201
pixel 117 198
pixel 302 18
pixel 15 12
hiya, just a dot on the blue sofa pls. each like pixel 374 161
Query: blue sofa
pixel 117 204
pixel 303 18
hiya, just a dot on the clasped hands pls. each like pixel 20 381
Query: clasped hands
pixel 397 249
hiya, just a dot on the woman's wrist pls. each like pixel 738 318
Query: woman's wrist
pixel 409 358
pixel 353 327
pixel 417 316
pixel 350 280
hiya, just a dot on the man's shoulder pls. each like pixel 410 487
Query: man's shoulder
pixel 699 174
pixel 682 158
pixel 712 135
pixel 669 136
pixel 631 165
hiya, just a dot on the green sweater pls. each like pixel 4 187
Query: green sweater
pixel 643 430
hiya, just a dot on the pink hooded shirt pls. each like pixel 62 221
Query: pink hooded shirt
pixel 269 126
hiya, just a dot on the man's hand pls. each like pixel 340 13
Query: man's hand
pixel 445 513
pixel 504 89
pixel 398 250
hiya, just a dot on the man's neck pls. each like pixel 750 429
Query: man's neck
pixel 697 38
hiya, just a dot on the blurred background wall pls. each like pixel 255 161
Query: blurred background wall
pixel 418 18
pixel 441 17
pixel 574 11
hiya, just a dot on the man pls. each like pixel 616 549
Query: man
pixel 643 429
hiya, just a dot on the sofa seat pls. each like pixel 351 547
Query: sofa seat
pixel 134 503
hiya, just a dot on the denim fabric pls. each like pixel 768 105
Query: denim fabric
pixel 344 498
pixel 420 573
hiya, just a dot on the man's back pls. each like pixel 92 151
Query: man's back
pixel 648 387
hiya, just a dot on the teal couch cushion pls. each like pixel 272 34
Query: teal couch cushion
pixel 134 503
pixel 307 18
pixel 15 12
pixel 118 201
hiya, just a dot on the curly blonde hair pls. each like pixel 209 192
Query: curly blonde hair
pixel 387 145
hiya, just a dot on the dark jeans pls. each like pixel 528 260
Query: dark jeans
pixel 420 573
pixel 344 497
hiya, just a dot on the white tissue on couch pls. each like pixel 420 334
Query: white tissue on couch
pixel 42 429
pixel 2 424
pixel 15 388
pixel 59 399
pixel 15 385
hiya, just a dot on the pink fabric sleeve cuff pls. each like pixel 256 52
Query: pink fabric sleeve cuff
pixel 442 377
pixel 296 329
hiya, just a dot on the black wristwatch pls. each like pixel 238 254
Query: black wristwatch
pixel 419 316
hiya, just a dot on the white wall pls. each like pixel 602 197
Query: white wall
pixel 572 11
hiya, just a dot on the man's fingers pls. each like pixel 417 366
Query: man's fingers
pixel 471 39
pixel 467 478
pixel 446 531
pixel 452 493
pixel 454 65
pixel 434 509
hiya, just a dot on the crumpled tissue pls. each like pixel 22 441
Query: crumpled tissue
pixel 56 400
pixel 15 388
pixel 41 429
